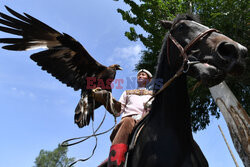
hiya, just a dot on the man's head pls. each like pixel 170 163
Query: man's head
pixel 143 77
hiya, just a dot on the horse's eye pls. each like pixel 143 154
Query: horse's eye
pixel 181 27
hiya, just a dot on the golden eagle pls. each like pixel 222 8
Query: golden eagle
pixel 65 59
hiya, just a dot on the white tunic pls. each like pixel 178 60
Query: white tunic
pixel 133 104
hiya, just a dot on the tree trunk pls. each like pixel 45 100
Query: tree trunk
pixel 236 118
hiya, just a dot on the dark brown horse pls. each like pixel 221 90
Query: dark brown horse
pixel 166 139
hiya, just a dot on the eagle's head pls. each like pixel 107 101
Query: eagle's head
pixel 116 67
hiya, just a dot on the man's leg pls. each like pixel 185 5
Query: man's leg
pixel 119 138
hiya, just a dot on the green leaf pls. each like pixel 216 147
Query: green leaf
pixel 56 158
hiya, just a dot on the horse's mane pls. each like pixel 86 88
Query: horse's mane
pixel 186 16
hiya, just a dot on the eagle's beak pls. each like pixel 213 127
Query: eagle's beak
pixel 119 68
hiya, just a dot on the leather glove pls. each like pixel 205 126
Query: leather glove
pixel 105 97
pixel 100 95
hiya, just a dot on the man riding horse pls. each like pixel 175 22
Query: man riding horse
pixel 132 107
pixel 189 49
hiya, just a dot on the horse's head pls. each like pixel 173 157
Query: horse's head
pixel 215 55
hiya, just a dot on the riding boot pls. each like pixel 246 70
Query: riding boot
pixel 117 155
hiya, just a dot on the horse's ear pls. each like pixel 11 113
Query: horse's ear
pixel 166 24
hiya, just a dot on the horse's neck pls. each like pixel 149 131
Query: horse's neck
pixel 171 108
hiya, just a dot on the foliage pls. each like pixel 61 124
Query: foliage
pixel 56 158
pixel 228 16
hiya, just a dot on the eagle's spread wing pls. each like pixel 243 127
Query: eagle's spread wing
pixel 64 57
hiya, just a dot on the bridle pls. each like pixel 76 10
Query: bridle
pixel 183 53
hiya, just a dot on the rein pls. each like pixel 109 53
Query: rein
pixel 183 53
pixel 94 134
pixel 84 138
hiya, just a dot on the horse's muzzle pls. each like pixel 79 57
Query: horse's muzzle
pixel 232 54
